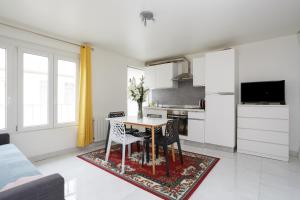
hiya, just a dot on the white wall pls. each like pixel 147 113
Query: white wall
pixel 109 90
pixel 276 59
pixel 109 86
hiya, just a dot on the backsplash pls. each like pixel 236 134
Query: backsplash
pixel 185 94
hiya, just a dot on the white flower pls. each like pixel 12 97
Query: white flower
pixel 137 92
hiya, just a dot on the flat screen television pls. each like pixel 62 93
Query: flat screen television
pixel 263 92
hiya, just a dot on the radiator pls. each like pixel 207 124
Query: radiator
pixel 100 129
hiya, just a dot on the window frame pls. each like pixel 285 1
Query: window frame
pixel 127 100
pixel 5 47
pixel 74 59
pixel 20 125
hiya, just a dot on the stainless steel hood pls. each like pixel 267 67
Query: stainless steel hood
pixel 183 65
pixel 185 76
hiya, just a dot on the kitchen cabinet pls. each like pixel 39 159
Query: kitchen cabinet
pixel 220 104
pixel 196 126
pixel 220 120
pixel 220 71
pixel 160 76
pixel 199 72
pixel 150 77
pixel 154 113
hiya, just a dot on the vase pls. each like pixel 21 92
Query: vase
pixel 140 110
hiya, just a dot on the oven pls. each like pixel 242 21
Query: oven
pixel 182 117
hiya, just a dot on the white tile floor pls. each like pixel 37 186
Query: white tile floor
pixel 236 176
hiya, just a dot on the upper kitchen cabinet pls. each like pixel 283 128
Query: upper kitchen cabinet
pixel 161 76
pixel 150 77
pixel 198 72
pixel 220 71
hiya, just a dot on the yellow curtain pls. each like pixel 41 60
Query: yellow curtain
pixel 85 130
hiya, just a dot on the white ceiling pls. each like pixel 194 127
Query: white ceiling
pixel 181 26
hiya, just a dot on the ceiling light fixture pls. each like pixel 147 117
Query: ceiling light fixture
pixel 145 16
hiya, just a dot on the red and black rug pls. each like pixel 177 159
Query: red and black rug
pixel 183 181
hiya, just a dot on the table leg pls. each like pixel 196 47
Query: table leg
pixel 173 153
pixel 153 150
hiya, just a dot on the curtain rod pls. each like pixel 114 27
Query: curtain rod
pixel 43 35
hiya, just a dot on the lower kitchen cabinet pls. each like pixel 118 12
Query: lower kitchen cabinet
pixel 196 127
pixel 196 130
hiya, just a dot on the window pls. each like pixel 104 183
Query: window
pixel 2 88
pixel 132 107
pixel 38 87
pixel 66 91
pixel 35 90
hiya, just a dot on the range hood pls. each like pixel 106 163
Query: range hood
pixel 184 69
pixel 184 72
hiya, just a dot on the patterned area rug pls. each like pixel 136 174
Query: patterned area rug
pixel 183 181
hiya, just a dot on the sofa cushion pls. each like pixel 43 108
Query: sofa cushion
pixel 14 165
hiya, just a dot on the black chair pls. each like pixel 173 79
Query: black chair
pixel 4 138
pixel 158 132
pixel 171 136
pixel 128 130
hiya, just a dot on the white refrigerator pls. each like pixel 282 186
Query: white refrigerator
pixel 220 108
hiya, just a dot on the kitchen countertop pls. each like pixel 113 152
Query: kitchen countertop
pixel 186 109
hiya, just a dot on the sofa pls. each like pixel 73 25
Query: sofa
pixel 14 166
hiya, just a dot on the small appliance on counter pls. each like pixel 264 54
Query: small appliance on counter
pixel 202 104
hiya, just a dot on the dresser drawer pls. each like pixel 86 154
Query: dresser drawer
pixel 264 136
pixel 275 151
pixel 264 124
pixel 272 112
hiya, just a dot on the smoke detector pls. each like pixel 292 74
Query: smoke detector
pixel 146 16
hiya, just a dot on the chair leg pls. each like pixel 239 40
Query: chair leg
pixel 129 150
pixel 180 152
pixel 173 152
pixel 107 137
pixel 123 159
pixel 143 154
pixel 165 146
pixel 156 151
pixel 138 147
pixel 108 150
pixel 147 152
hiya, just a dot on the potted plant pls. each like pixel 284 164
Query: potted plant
pixel 137 92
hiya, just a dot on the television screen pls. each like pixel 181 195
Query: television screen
pixel 263 92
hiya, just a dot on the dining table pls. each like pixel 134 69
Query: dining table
pixel 146 122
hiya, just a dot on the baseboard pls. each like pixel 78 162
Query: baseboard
pixel 65 151
pixel 192 143
pixel 219 147
pixel 209 146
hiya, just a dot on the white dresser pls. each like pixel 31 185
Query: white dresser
pixel 263 130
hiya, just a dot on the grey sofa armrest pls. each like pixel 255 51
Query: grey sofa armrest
pixel 4 138
pixel 47 188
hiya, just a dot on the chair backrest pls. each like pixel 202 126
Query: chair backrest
pixel 116 114
pixel 172 129
pixel 117 131
pixel 158 131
